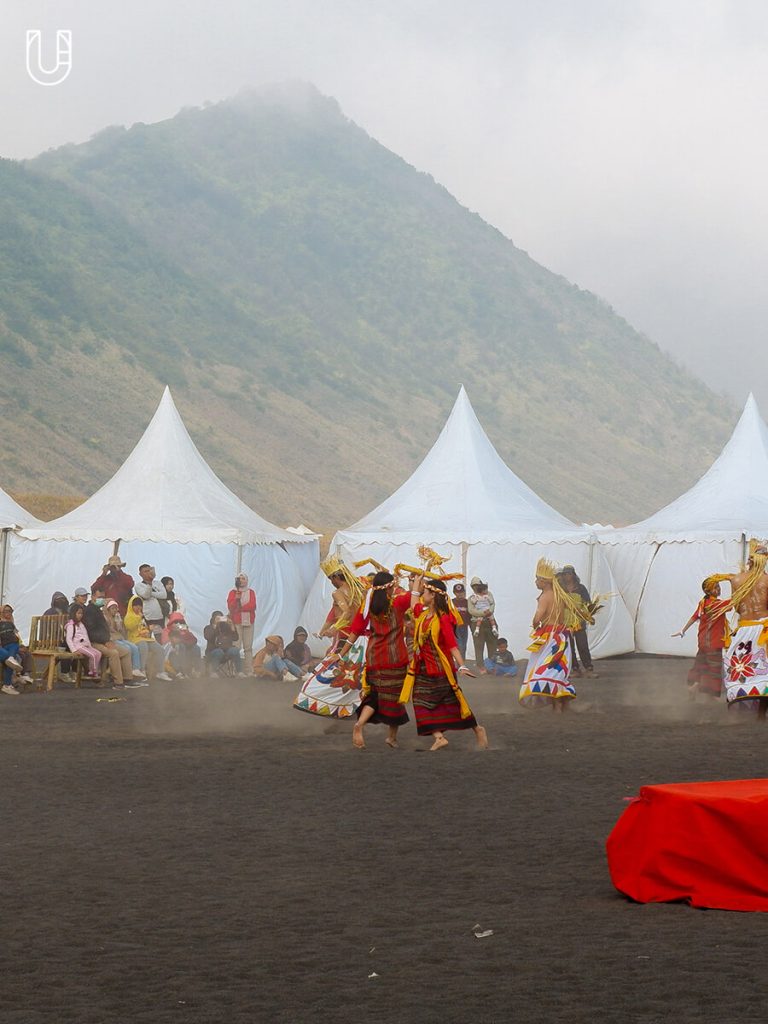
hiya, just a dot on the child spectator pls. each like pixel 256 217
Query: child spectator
pixel 181 649
pixel 79 642
pixel 503 661
pixel 138 632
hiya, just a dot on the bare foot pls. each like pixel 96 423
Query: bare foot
pixel 440 741
pixel 357 737
pixel 482 737
pixel 391 742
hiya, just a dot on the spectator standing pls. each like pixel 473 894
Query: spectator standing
pixel 171 603
pixel 579 640
pixel 152 592
pixel 100 638
pixel 79 642
pixel 482 607
pixel 222 644
pixel 241 603
pixel 116 584
pixel 461 606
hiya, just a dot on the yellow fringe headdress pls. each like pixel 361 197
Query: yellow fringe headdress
pixel 759 557
pixel 333 566
pixel 569 611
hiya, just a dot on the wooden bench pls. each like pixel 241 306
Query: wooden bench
pixel 46 640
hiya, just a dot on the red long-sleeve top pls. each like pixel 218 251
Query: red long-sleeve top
pixel 386 644
pixel 242 607
pixel 427 660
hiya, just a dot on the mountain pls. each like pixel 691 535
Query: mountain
pixel 314 302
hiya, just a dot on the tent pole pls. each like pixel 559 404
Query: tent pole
pixel 590 563
pixel 239 564
pixel 116 546
pixel 743 551
pixel 6 531
pixel 464 548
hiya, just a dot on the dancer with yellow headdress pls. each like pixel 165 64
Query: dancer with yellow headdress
pixel 333 690
pixel 746 658
pixel 706 675
pixel 547 677
pixel 438 702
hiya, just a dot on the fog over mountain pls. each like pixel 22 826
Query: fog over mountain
pixel 620 144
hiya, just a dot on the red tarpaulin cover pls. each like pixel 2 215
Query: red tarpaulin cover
pixel 703 842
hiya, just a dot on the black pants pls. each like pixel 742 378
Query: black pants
pixel 582 645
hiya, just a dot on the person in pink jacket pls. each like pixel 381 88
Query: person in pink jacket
pixel 242 610
pixel 78 641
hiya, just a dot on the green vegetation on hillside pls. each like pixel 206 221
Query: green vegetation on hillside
pixel 315 302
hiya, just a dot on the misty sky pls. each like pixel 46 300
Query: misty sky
pixel 621 143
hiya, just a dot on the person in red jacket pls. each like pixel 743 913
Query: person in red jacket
pixel 438 702
pixel 241 604
pixel 382 619
pixel 116 584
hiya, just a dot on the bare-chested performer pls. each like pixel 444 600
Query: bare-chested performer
pixel 547 678
pixel 746 660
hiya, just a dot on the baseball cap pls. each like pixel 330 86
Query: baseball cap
pixel 81 592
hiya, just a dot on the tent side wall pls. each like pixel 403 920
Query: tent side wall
pixel 203 573
pixel 509 570
pixel 673 589
pixel 307 559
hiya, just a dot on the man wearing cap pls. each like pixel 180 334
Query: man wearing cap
pixel 481 616
pixel 116 584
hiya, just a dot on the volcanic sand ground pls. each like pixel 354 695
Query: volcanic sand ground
pixel 201 852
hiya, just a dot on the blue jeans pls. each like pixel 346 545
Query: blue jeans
pixel 280 665
pixel 500 670
pixel 462 635
pixel 7 652
pixel 219 656
pixel 135 652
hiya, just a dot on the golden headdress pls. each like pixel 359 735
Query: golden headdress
pixel 333 566
pixel 758 555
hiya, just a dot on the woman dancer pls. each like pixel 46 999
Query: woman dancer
pixel 438 703
pixel 382 618
pixel 706 676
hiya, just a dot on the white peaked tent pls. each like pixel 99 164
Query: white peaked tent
pixel 12 516
pixel 165 506
pixel 464 501
pixel 660 562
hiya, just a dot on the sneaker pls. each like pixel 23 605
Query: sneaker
pixel 14 662
pixel 129 683
pixel 138 674
pixel 288 678
pixel 11 691
pixel 26 678
pixel 164 676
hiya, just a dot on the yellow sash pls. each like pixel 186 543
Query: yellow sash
pixel 433 631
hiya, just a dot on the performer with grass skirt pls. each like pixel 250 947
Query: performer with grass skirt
pixel 746 659
pixel 706 676
pixel 333 689
pixel 438 702
pixel 382 619
pixel 547 678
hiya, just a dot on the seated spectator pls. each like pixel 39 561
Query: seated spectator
pixel 503 661
pixel 60 606
pixel 116 584
pixel 181 649
pixel 222 644
pixel 118 636
pixel 78 640
pixel 298 650
pixel 170 603
pixel 97 627
pixel 138 632
pixel 12 658
pixel 270 662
